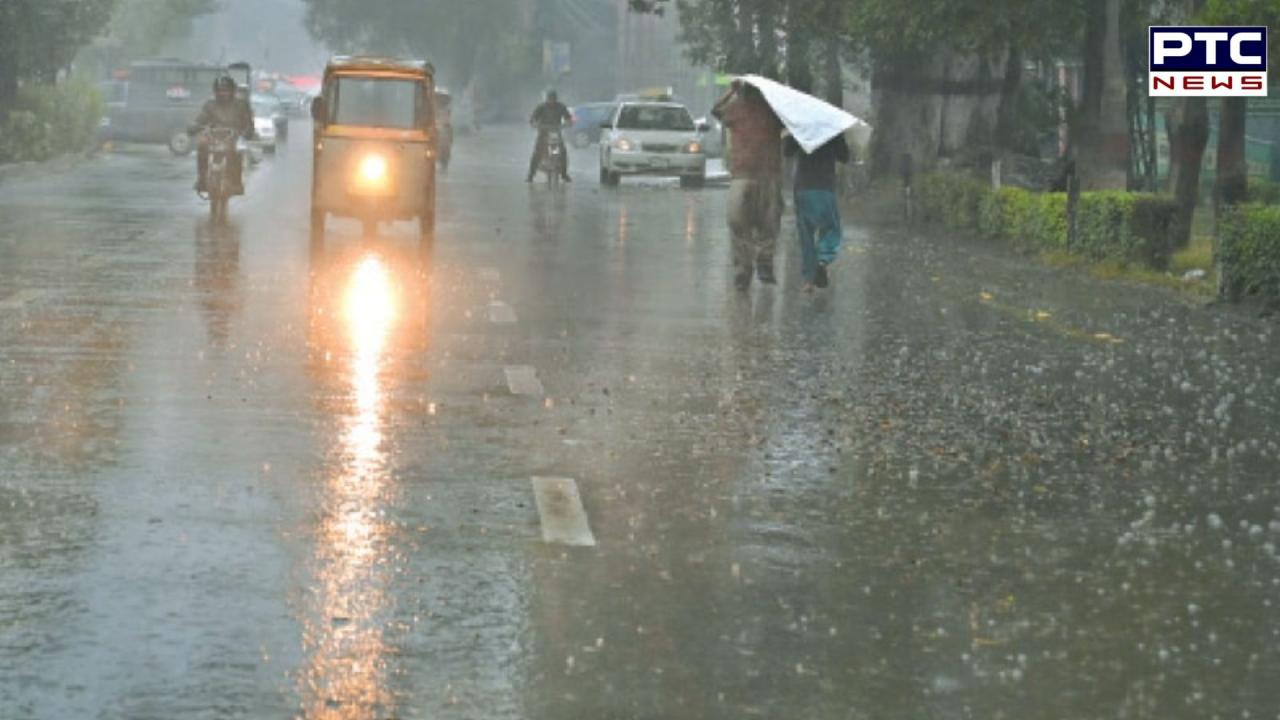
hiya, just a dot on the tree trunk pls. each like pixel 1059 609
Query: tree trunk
pixel 767 43
pixel 927 107
pixel 1231 183
pixel 834 71
pixel 1104 146
pixel 1188 135
pixel 799 55
pixel 742 53
pixel 1094 64
pixel 1007 114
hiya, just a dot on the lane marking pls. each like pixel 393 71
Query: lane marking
pixel 20 298
pixel 489 274
pixel 501 313
pixel 560 512
pixel 523 380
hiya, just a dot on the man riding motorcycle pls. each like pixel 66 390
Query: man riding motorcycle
pixel 227 111
pixel 548 118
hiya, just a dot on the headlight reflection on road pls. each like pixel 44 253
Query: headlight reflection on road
pixel 346 673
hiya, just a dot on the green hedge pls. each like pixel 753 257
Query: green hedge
pixel 50 120
pixel 1249 251
pixel 1264 191
pixel 1128 227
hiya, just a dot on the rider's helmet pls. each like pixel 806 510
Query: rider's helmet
pixel 224 86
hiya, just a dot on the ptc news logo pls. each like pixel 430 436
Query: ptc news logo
pixel 1207 61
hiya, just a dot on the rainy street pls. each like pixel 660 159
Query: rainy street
pixel 555 467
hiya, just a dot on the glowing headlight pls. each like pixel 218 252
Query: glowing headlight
pixel 693 147
pixel 373 170
pixel 624 145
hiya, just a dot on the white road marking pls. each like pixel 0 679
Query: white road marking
pixel 560 511
pixel 489 274
pixel 20 298
pixel 523 380
pixel 501 313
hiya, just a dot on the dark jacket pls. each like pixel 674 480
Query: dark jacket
pixel 551 115
pixel 817 170
pixel 235 114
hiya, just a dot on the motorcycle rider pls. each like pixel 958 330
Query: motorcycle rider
pixel 227 111
pixel 548 118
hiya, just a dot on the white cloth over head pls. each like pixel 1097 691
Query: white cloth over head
pixel 811 121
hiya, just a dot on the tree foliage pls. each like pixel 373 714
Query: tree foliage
pixel 40 37
pixel 458 36
pixel 142 27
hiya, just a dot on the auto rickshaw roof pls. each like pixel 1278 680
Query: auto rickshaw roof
pixel 347 63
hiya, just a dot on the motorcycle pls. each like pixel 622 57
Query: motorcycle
pixel 552 161
pixel 218 181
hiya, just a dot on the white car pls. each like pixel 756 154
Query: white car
pixel 652 138
pixel 266 123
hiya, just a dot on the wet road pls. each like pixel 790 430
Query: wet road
pixel 241 481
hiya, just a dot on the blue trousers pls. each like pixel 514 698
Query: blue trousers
pixel 818 219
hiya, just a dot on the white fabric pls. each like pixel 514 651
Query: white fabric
pixel 812 122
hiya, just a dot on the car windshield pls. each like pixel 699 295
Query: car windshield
pixel 378 102
pixel 654 117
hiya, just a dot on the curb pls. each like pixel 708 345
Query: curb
pixel 60 164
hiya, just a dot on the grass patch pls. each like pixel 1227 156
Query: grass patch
pixel 1204 288
pixel 1196 256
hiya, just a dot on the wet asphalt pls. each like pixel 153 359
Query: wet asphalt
pixel 239 479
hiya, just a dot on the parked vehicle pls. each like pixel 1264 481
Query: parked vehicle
pixel 115 98
pixel 269 121
pixel 160 98
pixel 374 144
pixel 587 120
pixel 711 134
pixel 652 138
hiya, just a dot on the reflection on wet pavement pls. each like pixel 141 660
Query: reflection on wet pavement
pixel 242 479
pixel 346 674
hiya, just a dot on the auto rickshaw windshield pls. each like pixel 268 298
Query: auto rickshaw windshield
pixel 395 103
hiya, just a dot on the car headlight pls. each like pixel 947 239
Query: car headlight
pixel 693 147
pixel 624 145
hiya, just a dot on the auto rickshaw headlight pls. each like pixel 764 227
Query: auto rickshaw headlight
pixel 373 171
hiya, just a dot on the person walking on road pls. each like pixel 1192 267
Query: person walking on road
pixel 755 190
pixel 817 212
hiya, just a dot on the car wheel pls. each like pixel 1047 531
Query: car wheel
pixel 692 181
pixel 180 143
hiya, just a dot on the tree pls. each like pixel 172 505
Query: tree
pixel 946 72
pixel 1103 121
pixel 142 27
pixel 39 38
pixel 465 39
pixel 1232 176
